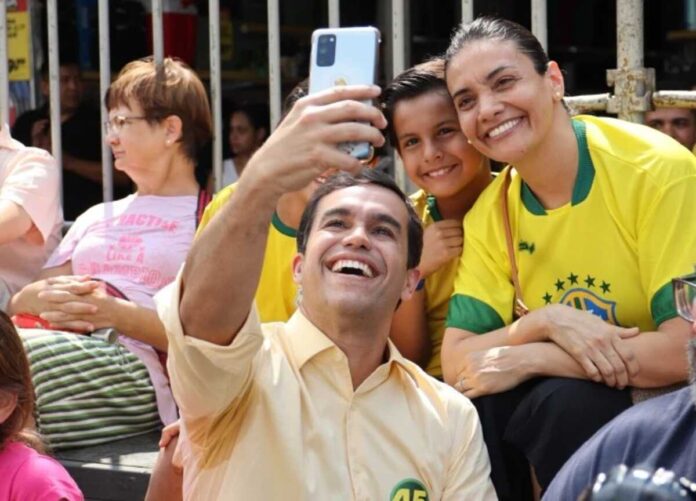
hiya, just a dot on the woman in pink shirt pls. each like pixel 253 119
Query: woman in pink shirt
pixel 102 277
pixel 26 473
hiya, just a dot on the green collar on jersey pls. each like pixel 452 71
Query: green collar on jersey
pixel 431 202
pixel 583 182
pixel 282 227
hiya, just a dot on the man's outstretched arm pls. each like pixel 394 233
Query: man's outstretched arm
pixel 223 267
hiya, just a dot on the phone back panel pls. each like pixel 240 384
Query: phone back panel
pixel 355 63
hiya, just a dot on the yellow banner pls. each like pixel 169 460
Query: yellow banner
pixel 19 60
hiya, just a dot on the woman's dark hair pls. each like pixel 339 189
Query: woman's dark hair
pixel 503 30
pixel 15 378
pixel 258 115
pixel 298 92
pixel 414 82
pixel 364 177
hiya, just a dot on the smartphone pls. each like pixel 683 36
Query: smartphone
pixel 345 56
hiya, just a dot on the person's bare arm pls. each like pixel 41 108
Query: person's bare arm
pixel 409 329
pixel 15 222
pixel 223 267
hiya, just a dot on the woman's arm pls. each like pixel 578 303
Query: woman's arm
pixel 27 299
pixel 97 309
pixel 594 344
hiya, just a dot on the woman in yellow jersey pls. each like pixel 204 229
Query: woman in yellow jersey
pixel 599 212
pixel 451 174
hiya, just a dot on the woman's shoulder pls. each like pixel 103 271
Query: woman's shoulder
pixel 637 147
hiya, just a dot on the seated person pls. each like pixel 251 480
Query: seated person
pixel 81 141
pixel 249 128
pixel 660 432
pixel 116 256
pixel 30 214
pixel 563 297
pixel 313 396
pixel 27 473
pixel 678 123
pixel 423 128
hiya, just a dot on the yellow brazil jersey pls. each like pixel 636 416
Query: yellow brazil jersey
pixel 628 230
pixel 277 292
pixel 438 286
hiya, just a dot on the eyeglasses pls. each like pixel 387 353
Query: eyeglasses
pixel 684 296
pixel 115 124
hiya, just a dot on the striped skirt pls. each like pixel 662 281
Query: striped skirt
pixel 87 391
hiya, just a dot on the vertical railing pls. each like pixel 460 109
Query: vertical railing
pixel 467 11
pixel 398 65
pixel 104 82
pixel 216 89
pixel 274 87
pixel 4 70
pixel 632 83
pixel 54 85
pixel 334 13
pixel 539 22
pixel 157 31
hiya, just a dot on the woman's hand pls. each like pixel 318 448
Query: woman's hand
pixel 442 241
pixel 79 307
pixel 169 432
pixel 42 295
pixel 595 344
pixel 493 371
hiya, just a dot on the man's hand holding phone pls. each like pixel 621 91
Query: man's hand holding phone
pixel 303 147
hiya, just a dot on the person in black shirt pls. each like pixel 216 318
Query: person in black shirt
pixel 81 141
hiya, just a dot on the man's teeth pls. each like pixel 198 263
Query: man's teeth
pixel 349 264
pixel 504 127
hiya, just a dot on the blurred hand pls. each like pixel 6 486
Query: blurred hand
pixel 442 241
pixel 41 134
pixel 595 344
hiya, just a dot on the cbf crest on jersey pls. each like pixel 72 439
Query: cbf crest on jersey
pixel 584 293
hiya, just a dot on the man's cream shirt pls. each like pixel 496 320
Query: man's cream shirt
pixel 273 416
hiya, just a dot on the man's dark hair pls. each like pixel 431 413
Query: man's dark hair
pixel 365 177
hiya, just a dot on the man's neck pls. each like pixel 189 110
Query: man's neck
pixel 364 342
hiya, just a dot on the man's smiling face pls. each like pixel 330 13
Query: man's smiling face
pixel 356 255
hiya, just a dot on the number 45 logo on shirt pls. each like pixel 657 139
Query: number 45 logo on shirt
pixel 409 490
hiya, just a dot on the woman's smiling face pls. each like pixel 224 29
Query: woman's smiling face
pixel 505 107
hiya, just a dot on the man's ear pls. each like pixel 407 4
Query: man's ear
pixel 8 403
pixel 412 278
pixel 173 128
pixel 297 263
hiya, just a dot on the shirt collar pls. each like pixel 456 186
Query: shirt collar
pixel 307 341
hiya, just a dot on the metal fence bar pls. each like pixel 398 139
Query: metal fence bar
pixel 104 81
pixel 274 61
pixel 334 13
pixel 540 23
pixel 54 86
pixel 157 31
pixel 216 89
pixel 629 77
pixel 399 65
pixel 4 73
pixel 590 102
pixel 467 11
pixel 674 99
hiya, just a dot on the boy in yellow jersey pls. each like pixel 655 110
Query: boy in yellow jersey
pixel 423 128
